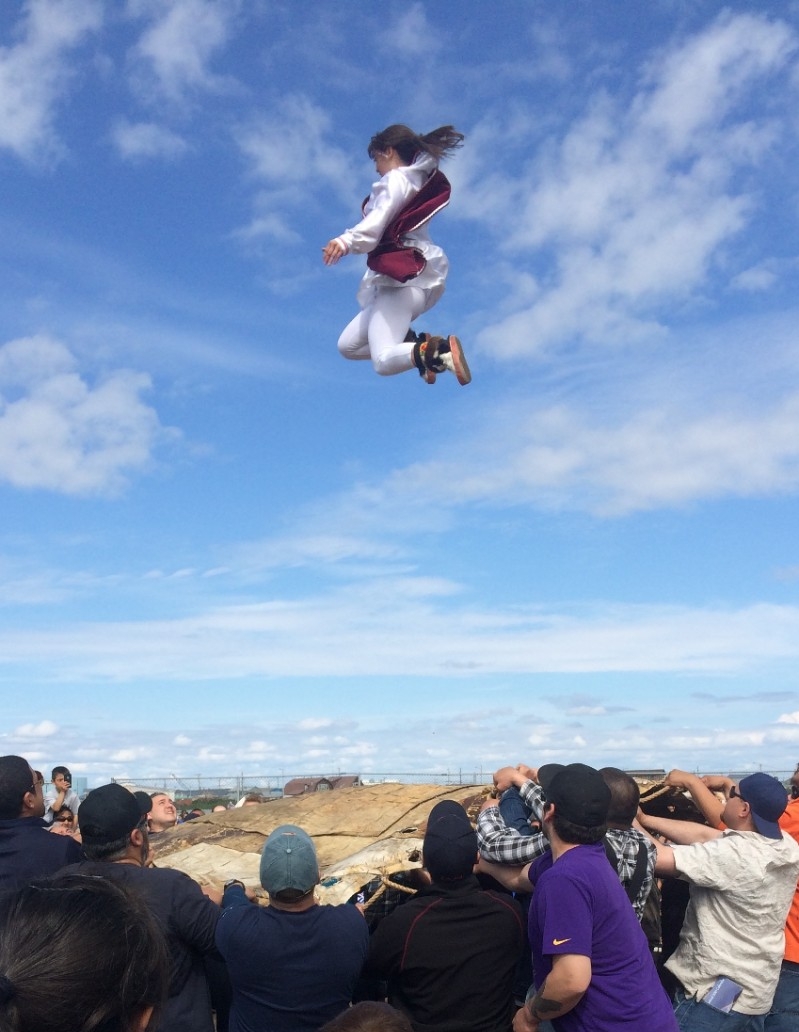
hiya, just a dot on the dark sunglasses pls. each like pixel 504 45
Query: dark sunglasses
pixel 735 794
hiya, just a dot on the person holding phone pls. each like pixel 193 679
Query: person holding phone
pixel 63 794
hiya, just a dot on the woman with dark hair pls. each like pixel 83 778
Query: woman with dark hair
pixel 406 271
pixel 64 822
pixel 369 1016
pixel 79 954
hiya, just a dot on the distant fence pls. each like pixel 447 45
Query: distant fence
pixel 238 785
pixel 234 786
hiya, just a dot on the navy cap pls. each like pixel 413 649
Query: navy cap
pixel 767 800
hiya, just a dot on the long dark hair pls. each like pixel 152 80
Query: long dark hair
pixel 369 1016
pixel 78 954
pixel 440 142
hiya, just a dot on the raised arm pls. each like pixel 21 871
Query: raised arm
pixel 709 805
pixel 514 878
pixel 503 845
pixel 389 196
pixel 682 833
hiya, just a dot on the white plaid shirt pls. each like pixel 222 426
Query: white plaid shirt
pixel 505 845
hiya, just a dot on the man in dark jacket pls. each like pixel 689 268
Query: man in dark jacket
pixel 294 964
pixel 27 848
pixel 449 954
pixel 113 826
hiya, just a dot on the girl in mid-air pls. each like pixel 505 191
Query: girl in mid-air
pixel 406 271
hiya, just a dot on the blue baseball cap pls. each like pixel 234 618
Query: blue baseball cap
pixel 767 800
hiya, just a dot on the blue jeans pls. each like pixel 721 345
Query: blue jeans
pixel 515 812
pixel 694 1016
pixel 784 1013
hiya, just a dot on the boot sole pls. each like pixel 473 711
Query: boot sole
pixel 459 361
pixel 428 376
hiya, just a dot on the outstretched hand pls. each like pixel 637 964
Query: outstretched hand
pixel 506 777
pixel 679 779
pixel 332 252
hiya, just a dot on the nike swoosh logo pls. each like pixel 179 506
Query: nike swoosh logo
pixel 559 942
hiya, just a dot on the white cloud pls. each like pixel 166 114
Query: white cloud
pixel 147 140
pixel 314 724
pixel 674 428
pixel 287 148
pixel 138 754
pixel 270 225
pixel 757 278
pixel 382 745
pixel 656 458
pixel 44 729
pixel 402 37
pixel 632 208
pixel 173 56
pixel 211 754
pixel 785 735
pixel 59 432
pixel 364 631
pixel 35 73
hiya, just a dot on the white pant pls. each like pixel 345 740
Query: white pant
pixel 379 330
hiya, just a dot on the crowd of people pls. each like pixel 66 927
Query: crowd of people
pixel 554 910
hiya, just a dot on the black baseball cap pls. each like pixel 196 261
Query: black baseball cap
pixel 449 851
pixel 578 791
pixel 111 812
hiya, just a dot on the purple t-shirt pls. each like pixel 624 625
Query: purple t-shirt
pixel 579 906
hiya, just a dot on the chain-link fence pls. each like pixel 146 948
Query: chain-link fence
pixel 236 786
pixel 230 788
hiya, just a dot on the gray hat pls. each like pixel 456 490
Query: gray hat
pixel 289 861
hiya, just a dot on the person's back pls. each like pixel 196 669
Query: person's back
pixel 293 965
pixel 188 920
pixel 27 849
pixel 593 917
pixel 290 971
pixel 450 953
pixel 116 843
pixel 450 957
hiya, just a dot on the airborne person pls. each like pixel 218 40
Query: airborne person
pixel 406 271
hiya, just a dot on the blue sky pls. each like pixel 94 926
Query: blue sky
pixel 224 549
